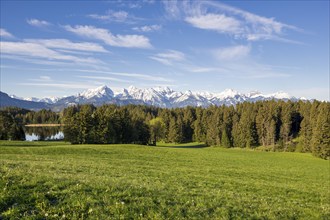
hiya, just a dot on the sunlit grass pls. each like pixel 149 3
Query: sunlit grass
pixel 57 180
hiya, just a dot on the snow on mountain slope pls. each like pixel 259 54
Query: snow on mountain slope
pixel 99 92
pixel 279 95
pixel 49 100
pixel 228 93
pixel 161 97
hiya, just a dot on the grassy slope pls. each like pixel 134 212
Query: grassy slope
pixel 55 180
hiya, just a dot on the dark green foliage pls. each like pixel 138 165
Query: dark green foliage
pixel 106 124
pixel 225 139
pixel 274 125
pixel 156 130
pixel 10 127
pixel 321 133
pixel 245 132
pixel 175 134
pixel 41 117
pixel 199 126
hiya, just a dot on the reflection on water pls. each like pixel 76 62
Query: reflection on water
pixel 43 133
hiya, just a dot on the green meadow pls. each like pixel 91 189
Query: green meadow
pixel 56 180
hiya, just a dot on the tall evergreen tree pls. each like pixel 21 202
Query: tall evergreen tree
pixel 225 142
pixel 321 134
pixel 156 130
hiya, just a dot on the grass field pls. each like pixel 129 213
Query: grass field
pixel 52 180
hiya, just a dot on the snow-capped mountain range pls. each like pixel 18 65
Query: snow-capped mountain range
pixel 158 96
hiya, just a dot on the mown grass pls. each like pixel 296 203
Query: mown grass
pixel 52 180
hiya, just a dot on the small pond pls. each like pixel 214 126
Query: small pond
pixel 44 133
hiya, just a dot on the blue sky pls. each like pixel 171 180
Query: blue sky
pixel 57 48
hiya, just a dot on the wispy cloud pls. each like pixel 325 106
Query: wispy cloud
pixel 45 79
pixel 38 23
pixel 216 22
pixel 130 75
pixel 39 61
pixel 69 45
pixel 172 9
pixel 116 16
pixel 132 4
pixel 225 19
pixel 169 57
pixel 103 78
pixel 67 85
pixel 4 33
pixel 253 70
pixel 202 69
pixel 129 41
pixel 148 28
pixel 34 50
pixel 232 53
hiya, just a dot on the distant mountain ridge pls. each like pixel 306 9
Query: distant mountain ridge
pixel 159 96
pixel 6 100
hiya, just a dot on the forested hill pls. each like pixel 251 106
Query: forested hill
pixel 277 126
pixel 269 125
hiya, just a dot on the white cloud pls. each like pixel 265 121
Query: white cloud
pixel 214 15
pixel 197 69
pixel 143 76
pixel 117 16
pixel 147 28
pixel 26 49
pixel 169 57
pixel 232 53
pixel 68 85
pixel 45 78
pixel 172 9
pixel 37 23
pixel 134 75
pixel 129 41
pixel 104 78
pixel 162 60
pixel 249 69
pixel 4 33
pixel 216 22
pixel 66 44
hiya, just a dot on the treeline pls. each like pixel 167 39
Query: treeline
pixel 24 116
pixel 10 124
pixel 268 125
pixel 273 125
pixel 13 119
pixel 109 124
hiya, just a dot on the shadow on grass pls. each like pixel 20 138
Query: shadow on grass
pixel 199 145
pixel 30 143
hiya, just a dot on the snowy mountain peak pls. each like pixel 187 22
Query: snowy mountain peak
pixel 228 93
pixel 49 100
pixel 188 92
pixel 254 94
pixel 280 95
pixel 161 97
pixel 131 87
pixel 102 91
pixel 165 90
